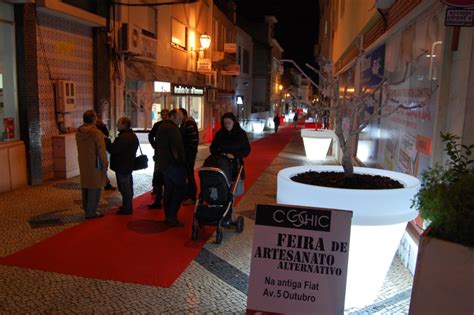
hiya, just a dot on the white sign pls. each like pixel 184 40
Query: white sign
pixel 459 17
pixel 299 260
pixel 163 87
pixel 204 65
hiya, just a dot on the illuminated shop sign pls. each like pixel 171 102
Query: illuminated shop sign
pixel 164 87
pixel 186 90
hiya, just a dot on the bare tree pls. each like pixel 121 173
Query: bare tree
pixel 361 108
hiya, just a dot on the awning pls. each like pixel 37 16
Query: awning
pixel 141 71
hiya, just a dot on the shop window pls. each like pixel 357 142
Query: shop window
pixel 9 124
pixel 180 102
pixel 195 110
pixel 192 104
pixel 159 103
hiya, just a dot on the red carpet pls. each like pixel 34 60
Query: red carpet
pixel 138 248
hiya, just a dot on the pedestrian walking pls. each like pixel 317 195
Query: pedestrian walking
pixel 190 133
pixel 122 157
pixel 157 181
pixel 295 118
pixel 276 121
pixel 102 127
pixel 171 164
pixel 232 141
pixel 92 163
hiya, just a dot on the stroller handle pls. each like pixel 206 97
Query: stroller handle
pixel 237 179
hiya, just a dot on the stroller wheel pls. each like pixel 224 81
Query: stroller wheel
pixel 240 224
pixel 195 232
pixel 219 235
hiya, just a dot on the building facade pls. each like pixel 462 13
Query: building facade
pixel 160 64
pixel 266 70
pixel 55 45
pixel 243 82
pixel 65 57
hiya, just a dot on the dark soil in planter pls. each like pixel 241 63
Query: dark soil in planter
pixel 341 180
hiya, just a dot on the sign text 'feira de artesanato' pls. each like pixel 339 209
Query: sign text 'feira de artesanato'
pixel 299 260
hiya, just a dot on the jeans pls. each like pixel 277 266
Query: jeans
pixel 90 200
pixel 125 186
pixel 174 178
pixel 191 191
pixel 157 183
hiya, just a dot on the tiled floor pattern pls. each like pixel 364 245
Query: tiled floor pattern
pixel 214 283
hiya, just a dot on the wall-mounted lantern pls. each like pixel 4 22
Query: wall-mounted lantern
pixel 205 41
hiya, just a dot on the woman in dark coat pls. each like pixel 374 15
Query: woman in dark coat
pixel 231 140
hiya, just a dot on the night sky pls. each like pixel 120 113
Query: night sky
pixel 297 28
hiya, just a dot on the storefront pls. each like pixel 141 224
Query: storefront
pixel 190 98
pixel 144 101
pixel 9 124
pixel 410 59
pixel 403 141
pixel 12 150
pixel 151 88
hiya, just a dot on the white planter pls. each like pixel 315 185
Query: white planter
pixel 378 222
pixel 258 126
pixel 270 123
pixel 444 278
pixel 317 142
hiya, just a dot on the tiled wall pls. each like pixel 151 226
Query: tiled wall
pixel 66 49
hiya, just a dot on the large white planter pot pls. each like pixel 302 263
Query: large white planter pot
pixel 258 126
pixel 378 222
pixel 317 142
pixel 444 278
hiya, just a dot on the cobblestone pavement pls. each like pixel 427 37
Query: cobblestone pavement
pixel 214 283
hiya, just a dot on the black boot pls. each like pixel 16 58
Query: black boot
pixel 155 205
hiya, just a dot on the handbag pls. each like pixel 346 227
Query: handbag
pixel 141 161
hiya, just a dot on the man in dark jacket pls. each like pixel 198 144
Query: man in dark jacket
pixel 122 157
pixel 157 181
pixel 276 121
pixel 189 130
pixel 171 161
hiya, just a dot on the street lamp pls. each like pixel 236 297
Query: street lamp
pixel 202 63
pixel 205 41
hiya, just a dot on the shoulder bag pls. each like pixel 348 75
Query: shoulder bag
pixel 141 161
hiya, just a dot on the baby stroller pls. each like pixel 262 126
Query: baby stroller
pixel 219 178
